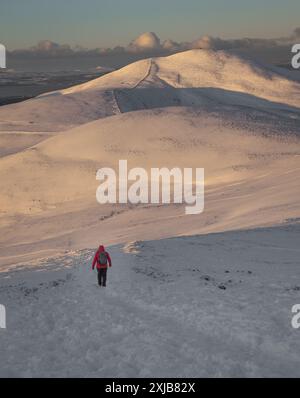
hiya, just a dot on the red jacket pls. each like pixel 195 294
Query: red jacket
pixel 95 261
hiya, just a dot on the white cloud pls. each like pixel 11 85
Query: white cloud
pixel 145 42
pixel 47 46
pixel 150 43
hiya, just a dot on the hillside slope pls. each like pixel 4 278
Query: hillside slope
pixel 190 78
pixel 202 306
pixel 251 162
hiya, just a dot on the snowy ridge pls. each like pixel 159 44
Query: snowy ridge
pixel 190 78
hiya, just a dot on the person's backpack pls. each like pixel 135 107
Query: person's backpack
pixel 102 258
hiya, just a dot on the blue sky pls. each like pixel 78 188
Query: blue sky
pixel 107 23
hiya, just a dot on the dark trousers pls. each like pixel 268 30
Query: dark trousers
pixel 102 276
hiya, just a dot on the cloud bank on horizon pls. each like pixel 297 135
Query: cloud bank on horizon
pixel 150 43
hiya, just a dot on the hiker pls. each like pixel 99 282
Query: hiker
pixel 102 259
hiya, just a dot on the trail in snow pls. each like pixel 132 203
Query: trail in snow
pixel 146 75
pixel 192 306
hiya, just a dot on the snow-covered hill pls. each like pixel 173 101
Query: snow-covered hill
pixel 215 304
pixel 201 306
pixel 190 78
pixel 251 162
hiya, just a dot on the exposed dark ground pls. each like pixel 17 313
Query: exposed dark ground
pixel 19 86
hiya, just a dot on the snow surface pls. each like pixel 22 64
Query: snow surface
pixel 190 78
pixel 251 162
pixel 214 305
pixel 240 122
